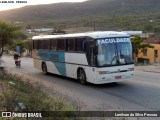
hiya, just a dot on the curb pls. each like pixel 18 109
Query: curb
pixel 147 70
pixel 151 71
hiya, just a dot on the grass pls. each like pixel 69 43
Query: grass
pixel 17 94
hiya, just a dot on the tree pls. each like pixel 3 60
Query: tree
pixel 139 46
pixel 8 33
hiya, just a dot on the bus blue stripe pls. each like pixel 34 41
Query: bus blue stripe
pixel 54 56
pixel 61 67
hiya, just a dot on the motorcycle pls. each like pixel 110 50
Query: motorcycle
pixel 18 62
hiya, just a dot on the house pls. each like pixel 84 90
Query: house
pixel 152 55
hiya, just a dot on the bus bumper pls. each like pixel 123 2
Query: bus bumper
pixel 102 79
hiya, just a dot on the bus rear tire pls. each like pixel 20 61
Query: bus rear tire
pixel 82 76
pixel 44 68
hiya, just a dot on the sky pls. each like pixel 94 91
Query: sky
pixel 12 4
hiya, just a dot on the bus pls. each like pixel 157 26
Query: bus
pixel 93 57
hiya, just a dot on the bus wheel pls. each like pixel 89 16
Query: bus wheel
pixel 44 68
pixel 82 76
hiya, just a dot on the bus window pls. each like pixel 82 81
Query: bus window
pixel 80 44
pixel 61 44
pixel 53 44
pixel 46 44
pixel 106 54
pixel 71 45
pixel 39 44
pixel 124 52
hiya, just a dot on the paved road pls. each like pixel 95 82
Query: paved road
pixel 140 93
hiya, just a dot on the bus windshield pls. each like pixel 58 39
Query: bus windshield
pixel 112 52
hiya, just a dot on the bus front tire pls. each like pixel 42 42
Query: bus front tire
pixel 82 76
pixel 44 68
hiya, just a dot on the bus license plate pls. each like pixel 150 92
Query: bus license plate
pixel 118 77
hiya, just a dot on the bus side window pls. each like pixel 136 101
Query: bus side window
pixel 39 44
pixel 53 44
pixel 61 44
pixel 80 44
pixel 71 45
pixel 84 46
pixel 46 44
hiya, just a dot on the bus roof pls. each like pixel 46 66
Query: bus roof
pixel 95 35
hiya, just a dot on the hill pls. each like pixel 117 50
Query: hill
pixel 88 12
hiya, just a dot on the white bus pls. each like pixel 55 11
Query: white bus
pixel 95 57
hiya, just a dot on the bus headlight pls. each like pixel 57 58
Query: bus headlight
pixel 130 69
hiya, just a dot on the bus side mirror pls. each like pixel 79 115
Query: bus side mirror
pixel 133 50
pixel 133 47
